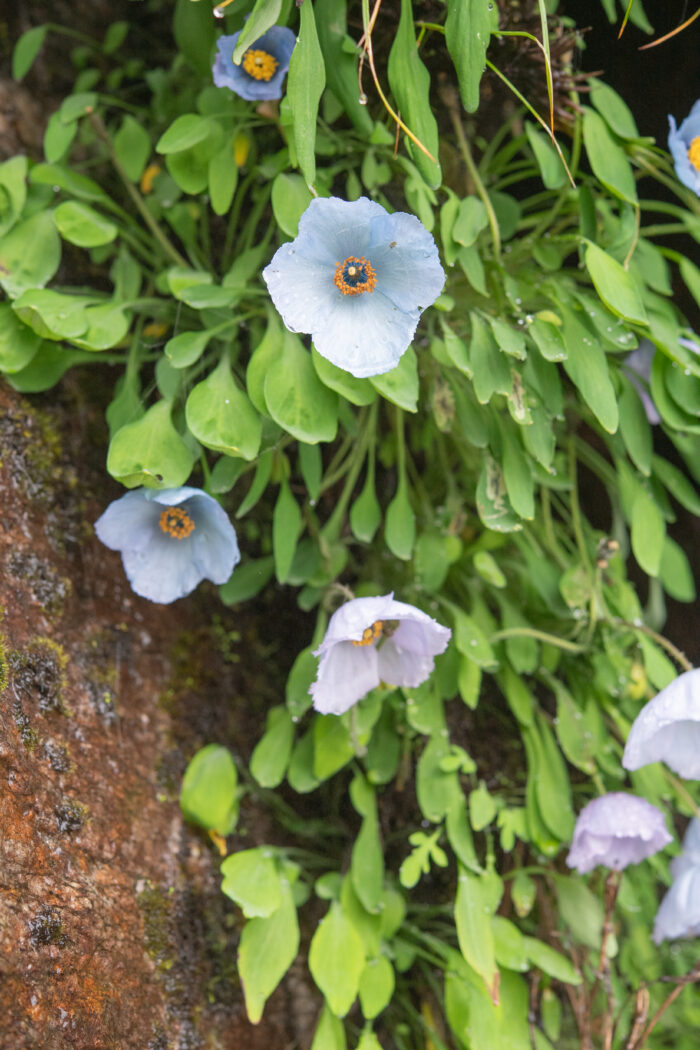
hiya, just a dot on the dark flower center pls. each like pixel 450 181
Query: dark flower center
pixel 259 64
pixel 176 522
pixel 354 276
pixel 694 152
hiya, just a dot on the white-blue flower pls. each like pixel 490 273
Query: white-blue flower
pixel 357 280
pixel 684 144
pixel 263 66
pixel 679 911
pixel 373 640
pixel 616 830
pixel 170 540
pixel 667 729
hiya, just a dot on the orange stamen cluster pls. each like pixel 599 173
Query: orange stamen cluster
pixel 176 522
pixel 694 153
pixel 259 64
pixel 371 634
pixel 354 276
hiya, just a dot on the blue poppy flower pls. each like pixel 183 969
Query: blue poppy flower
pixel 373 640
pixel 357 280
pixel 679 911
pixel 616 830
pixel 667 729
pixel 684 144
pixel 170 540
pixel 263 66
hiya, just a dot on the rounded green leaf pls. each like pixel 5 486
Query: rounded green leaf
pixel 209 793
pixel 290 198
pixel 400 385
pixel 221 417
pixel 150 452
pixel 648 532
pixel 267 949
pixel 186 348
pixel 132 146
pixel 222 178
pixel 270 758
pixel 29 254
pixel 18 343
pixel 336 960
pixel 400 525
pixel 356 391
pixel 376 986
pixel 250 878
pixel 185 131
pixel 52 315
pixel 297 399
pixel 616 286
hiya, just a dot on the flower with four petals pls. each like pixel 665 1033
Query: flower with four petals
pixel 616 830
pixel 263 66
pixel 373 640
pixel 357 280
pixel 170 540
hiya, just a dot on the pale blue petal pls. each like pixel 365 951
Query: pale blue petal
pixel 365 334
pixel 278 42
pixel 401 666
pixel 128 522
pixel 301 289
pixel 172 497
pixel 679 912
pixel 215 546
pixel 690 128
pixel 346 673
pixel 616 830
pixel 163 571
pixel 405 258
pixel 332 229
pixel 667 729
pixel 420 634
pixel 678 142
pixel 349 621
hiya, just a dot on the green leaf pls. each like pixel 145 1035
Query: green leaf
pixel 635 428
pixel 107 325
pixel 263 359
pixel 410 82
pixel 434 787
pixel 548 160
pixel 365 513
pixel 367 864
pixel 290 199
pixel 209 792
pixel 471 220
pixel 518 476
pixel 195 31
pixel 341 60
pixel 249 578
pixel 551 962
pixel 336 960
pixel 297 399
pixel 471 640
pixel 44 370
pixel 473 912
pixel 608 159
pixel 29 254
pixel 615 111
pixel 132 146
pixel 305 83
pixel 250 879
pixel 13 191
pixel 587 367
pixel 186 348
pixel 467 32
pixel 77 105
pixel 356 391
pixel 263 16
pixel 615 285
pixel 82 225
pixel 150 452
pixel 270 758
pixel 548 338
pixel 376 986
pixel 26 49
pixel 222 179
pixel 675 572
pixel 647 532
pixel 509 944
pixel 482 808
pixel 267 949
pixel 185 131
pixel 18 343
pixel 680 487
pixel 400 385
pixel 400 524
pixel 52 315
pixel 490 367
pixel 58 137
pixel 330 1032
pixel 221 417
pixel 286 526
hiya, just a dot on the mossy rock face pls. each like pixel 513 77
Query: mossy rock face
pixel 131 942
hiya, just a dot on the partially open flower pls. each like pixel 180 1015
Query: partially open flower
pixel 616 830
pixel 357 280
pixel 263 66
pixel 684 144
pixel 373 640
pixel 667 729
pixel 679 911
pixel 170 540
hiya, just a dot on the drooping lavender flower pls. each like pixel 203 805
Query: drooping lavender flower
pixel 373 640
pixel 357 280
pixel 263 66
pixel 616 830
pixel 679 911
pixel 667 729
pixel 684 144
pixel 170 540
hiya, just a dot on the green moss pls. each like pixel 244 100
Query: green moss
pixel 38 673
pixel 155 907
pixel 4 669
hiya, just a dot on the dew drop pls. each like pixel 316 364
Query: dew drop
pixel 362 99
pixel 218 12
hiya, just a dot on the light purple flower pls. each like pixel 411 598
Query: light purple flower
pixel 684 144
pixel 616 830
pixel 373 640
pixel 679 911
pixel 263 66
pixel 357 280
pixel 667 729
pixel 170 540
